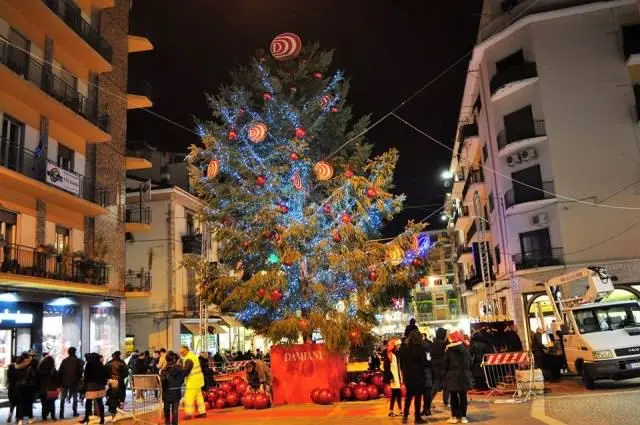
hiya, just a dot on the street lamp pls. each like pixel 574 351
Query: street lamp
pixel 446 175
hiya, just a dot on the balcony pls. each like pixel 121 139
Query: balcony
pixel 466 131
pixel 510 80
pixel 43 268
pixel 510 142
pixel 535 259
pixel 192 244
pixel 137 284
pixel 463 218
pixel 474 177
pixel 44 179
pixel 137 218
pixel 138 159
pixel 139 94
pixel 529 198
pixel 27 82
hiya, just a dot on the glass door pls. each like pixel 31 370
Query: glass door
pixel 11 144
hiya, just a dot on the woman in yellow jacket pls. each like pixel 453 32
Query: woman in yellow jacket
pixel 194 383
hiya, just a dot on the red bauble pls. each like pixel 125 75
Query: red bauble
pixel 221 403
pixel 346 393
pixel 377 379
pixel 232 135
pixel 294 156
pixel 261 180
pixel 236 380
pixel 227 387
pixel 300 133
pixel 283 209
pixel 372 192
pixel 248 400
pixel 221 393
pixel 387 391
pixel 403 390
pixel 326 208
pixel 373 275
pixel 317 75
pixel 348 173
pixel 267 96
pixel 246 244
pixel 232 399
pixel 361 393
pixel 262 292
pixel 276 295
pixel 260 401
pixel 336 237
pixel 417 262
pixel 314 394
pixel 303 324
pixel 346 218
pixel 373 391
pixel 241 387
pixel 334 109
pixel 212 395
pixel 353 385
pixel 325 396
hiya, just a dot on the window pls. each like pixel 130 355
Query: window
pixel 492 202
pixel 17 52
pixel 65 157
pixel 535 244
pixel 485 152
pixel 527 185
pixel 62 239
pixel 607 318
pixel 519 125
pixel 437 282
pixel 11 143
pixel 191 224
pixel 8 222
pixel 497 252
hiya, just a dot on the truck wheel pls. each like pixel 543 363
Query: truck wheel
pixel 587 379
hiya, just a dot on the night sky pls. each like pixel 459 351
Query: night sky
pixel 388 48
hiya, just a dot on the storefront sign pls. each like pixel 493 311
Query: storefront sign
pixel 298 369
pixel 63 179
pixel 17 318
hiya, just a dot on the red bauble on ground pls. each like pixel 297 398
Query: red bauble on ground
pixel 300 133
pixel 372 192
pixel 261 180
pixel 241 387
pixel 361 393
pixel 387 391
pixel 227 387
pixel 325 396
pixel 403 390
pixel 261 401
pixel 248 400
pixel 364 377
pixel 276 295
pixel 232 135
pixel 212 395
pixel 237 379
pixel 314 394
pixel 294 156
pixel 233 399
pixel 221 403
pixel 377 379
pixel 346 393
pixel 373 391
pixel 352 385
pixel 221 393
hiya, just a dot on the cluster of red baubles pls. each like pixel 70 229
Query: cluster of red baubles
pixel 275 295
pixel 233 393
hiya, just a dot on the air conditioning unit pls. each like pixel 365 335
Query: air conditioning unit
pixel 540 219
pixel 513 159
pixel 528 154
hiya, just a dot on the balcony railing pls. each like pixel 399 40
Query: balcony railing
pixel 474 176
pixel 138 214
pixel 463 211
pixel 505 138
pixel 533 259
pixel 35 166
pixel 192 244
pixel 513 74
pixel 137 281
pixel 514 197
pixel 71 15
pixel 35 72
pixel 631 40
pixel 28 261
pixel 471 232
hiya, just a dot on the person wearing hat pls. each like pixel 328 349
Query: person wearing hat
pixel 458 380
pixel 410 327
pixel 393 375
pixel 117 372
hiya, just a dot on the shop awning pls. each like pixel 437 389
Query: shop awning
pixel 230 321
pixel 216 329
pixel 194 328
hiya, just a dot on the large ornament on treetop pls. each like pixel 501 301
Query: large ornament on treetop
pixel 213 169
pixel 257 132
pixel 285 46
pixel 297 181
pixel 323 170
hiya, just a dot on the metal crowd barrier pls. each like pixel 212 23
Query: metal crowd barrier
pixel 512 373
pixel 146 392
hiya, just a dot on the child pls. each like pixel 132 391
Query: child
pixel 172 376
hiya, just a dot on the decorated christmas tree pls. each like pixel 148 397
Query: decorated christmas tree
pixel 297 205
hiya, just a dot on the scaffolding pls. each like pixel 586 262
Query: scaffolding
pixel 491 303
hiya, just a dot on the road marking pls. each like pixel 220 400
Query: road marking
pixel 538 412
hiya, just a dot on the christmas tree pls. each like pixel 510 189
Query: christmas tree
pixel 297 210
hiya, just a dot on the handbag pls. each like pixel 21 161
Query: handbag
pixel 52 394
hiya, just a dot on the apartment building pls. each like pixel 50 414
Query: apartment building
pixel 63 108
pixel 548 148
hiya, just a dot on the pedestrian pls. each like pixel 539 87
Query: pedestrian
pixel 393 376
pixel 172 377
pixel 258 376
pixel 480 346
pixel 195 382
pixel 428 379
pixel 259 355
pixel 47 377
pixel 410 327
pixel 11 387
pixel 95 381
pixel 412 360
pixel 70 374
pixel 374 360
pixel 141 368
pixel 117 373
pixel 512 339
pixel 537 348
pixel 26 386
pixel 162 362
pixel 438 347
pixel 457 366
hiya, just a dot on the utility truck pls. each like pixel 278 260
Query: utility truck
pixel 601 340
